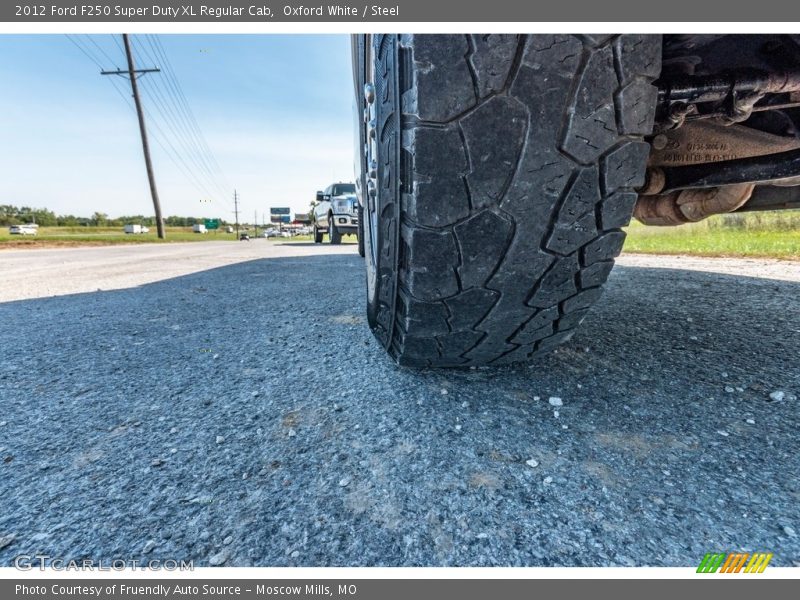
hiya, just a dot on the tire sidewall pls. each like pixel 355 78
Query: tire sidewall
pixel 381 213
pixel 360 232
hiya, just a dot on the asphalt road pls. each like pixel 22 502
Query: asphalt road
pixel 242 414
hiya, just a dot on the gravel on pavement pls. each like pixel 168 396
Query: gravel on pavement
pixel 240 413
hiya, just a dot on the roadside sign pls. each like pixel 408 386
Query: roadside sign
pixel 212 223
pixel 280 211
pixel 280 218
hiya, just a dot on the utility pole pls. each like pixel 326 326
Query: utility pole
pixel 236 210
pixel 132 73
pixel 255 221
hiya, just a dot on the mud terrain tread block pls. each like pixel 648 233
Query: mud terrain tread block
pixel 581 300
pixel 592 125
pixel 624 166
pixel 423 318
pixel 638 56
pixel 469 307
pixel 576 224
pixel 529 336
pixel 483 239
pixel 550 128
pixel 596 39
pixel 444 84
pixel 636 98
pixel 453 345
pixel 596 274
pixel 494 134
pixel 557 284
pixel 441 164
pixel 617 210
pixel 437 251
pixel 606 247
pixel 572 320
pixel 491 58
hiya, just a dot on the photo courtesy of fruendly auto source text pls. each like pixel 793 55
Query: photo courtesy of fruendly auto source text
pixel 399 299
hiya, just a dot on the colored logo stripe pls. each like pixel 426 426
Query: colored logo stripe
pixel 734 562
pixel 710 563
pixel 758 563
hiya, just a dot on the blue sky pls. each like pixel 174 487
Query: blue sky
pixel 275 110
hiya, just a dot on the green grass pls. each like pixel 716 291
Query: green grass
pixel 75 236
pixel 100 236
pixel 762 235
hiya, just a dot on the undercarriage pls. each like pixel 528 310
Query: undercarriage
pixel 726 136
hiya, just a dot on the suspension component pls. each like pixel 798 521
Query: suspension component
pixel 690 206
pixel 735 93
pixel 715 88
pixel 754 169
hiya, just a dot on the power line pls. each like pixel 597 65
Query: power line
pixel 236 210
pixel 172 78
pixel 166 94
pixel 160 96
pixel 169 89
pixel 116 41
pixel 163 109
pixel 103 52
pixel 173 154
pixel 85 52
pixel 170 151
pixel 159 48
pixel 132 76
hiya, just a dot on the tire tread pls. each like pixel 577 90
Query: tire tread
pixel 519 159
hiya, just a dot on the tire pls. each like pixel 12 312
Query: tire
pixel 317 235
pixel 506 166
pixel 360 233
pixel 334 235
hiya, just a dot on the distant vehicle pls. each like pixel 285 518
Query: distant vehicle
pixel 271 233
pixel 244 237
pixel 335 212
pixel 24 229
pixel 199 228
pixel 132 228
pixel 229 229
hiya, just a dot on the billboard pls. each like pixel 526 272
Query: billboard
pixel 280 211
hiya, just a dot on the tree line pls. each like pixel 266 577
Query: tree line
pixel 14 215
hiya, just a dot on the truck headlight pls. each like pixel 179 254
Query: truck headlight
pixel 341 207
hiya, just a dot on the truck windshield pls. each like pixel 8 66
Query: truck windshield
pixel 344 188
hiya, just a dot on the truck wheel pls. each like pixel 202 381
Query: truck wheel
pixel 333 232
pixel 317 235
pixel 506 166
pixel 360 234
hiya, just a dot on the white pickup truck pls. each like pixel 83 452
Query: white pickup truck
pixel 335 212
